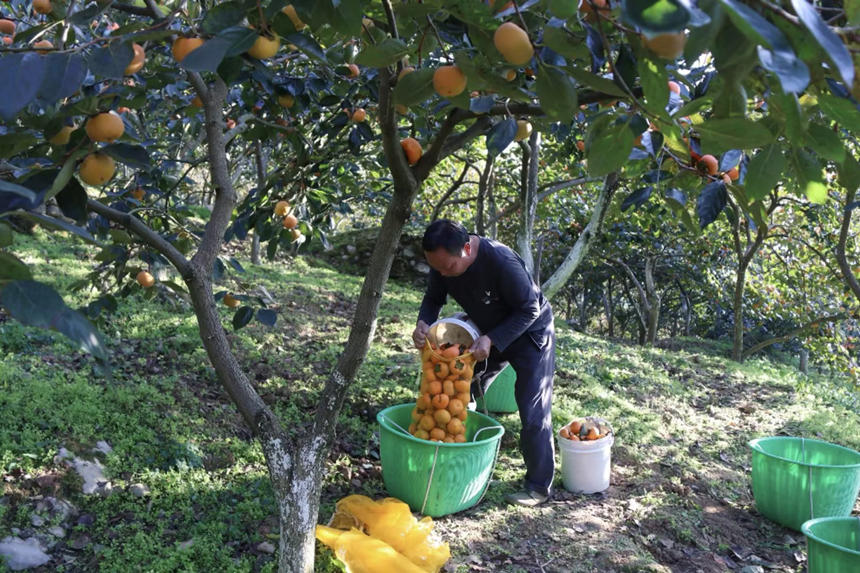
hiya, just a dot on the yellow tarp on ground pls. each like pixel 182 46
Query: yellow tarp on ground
pixel 374 536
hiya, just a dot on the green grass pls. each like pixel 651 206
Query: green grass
pixel 682 416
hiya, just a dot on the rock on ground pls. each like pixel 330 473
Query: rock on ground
pixel 23 554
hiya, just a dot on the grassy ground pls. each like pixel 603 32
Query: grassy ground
pixel 680 498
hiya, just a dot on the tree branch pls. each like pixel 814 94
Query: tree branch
pixel 792 333
pixel 150 237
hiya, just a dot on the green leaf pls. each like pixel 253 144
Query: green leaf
pixel 20 78
pixel 13 269
pixel 795 122
pixel 230 41
pixel 35 304
pixel 720 135
pixel 222 16
pixel 730 101
pixel 825 142
pixel 12 144
pixel 656 17
pixel 809 176
pixel 841 110
pixel 755 26
pixel 59 225
pixel 711 202
pixel 792 72
pixel 134 156
pixel 386 53
pixel 267 317
pixel 307 45
pixel 242 317
pixel 655 85
pixel 6 237
pixel 674 140
pixel 557 94
pixel 562 42
pixel 694 106
pixel 9 187
pixel 66 173
pixel 563 9
pixel 849 173
pixel 764 171
pixel 501 135
pixel 414 87
pixel 596 82
pixel 111 60
pixel 827 39
pixel 852 10
pixel 608 145
pixel 64 74
pixel 72 201
pixel 87 14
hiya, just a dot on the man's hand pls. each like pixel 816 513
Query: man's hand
pixel 481 348
pixel 419 335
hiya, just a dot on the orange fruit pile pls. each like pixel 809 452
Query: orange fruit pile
pixel 585 429
pixel 440 411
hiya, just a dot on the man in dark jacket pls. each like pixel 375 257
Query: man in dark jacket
pixel 490 282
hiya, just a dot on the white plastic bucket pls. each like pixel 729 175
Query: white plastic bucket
pixel 453 330
pixel 585 464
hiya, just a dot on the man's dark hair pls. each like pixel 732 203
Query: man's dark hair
pixel 446 234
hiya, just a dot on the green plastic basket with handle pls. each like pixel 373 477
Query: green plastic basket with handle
pixel 795 479
pixel 833 544
pixel 500 395
pixel 436 478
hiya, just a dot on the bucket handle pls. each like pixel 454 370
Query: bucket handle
pixel 430 479
pixel 395 424
pixel 475 437
pixel 808 476
pixel 858 532
pixel 492 467
pixel 436 457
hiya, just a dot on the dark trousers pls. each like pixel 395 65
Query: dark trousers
pixel 532 356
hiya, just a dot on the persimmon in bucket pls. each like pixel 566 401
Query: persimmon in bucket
pixel 446 374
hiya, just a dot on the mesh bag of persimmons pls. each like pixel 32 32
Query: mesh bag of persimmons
pixel 443 396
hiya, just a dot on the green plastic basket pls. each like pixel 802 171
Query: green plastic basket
pixel 435 478
pixel 500 395
pixel 834 544
pixel 797 479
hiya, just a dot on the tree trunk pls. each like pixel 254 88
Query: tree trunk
pixel 589 235
pixel 583 315
pixel 686 309
pixel 608 306
pixel 437 209
pixel 528 197
pixel 484 191
pixel 804 360
pixel 738 312
pixel 493 227
pixel 644 310
pixel 260 164
pixel 844 230
pixel 745 257
pixel 653 301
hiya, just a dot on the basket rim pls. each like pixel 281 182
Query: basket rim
pixel 755 447
pixel 383 421
pixel 811 522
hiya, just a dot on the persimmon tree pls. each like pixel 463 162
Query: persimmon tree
pixel 758 85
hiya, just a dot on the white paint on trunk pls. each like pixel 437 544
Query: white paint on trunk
pixel 279 459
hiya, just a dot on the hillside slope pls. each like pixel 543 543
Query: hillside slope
pixel 187 487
